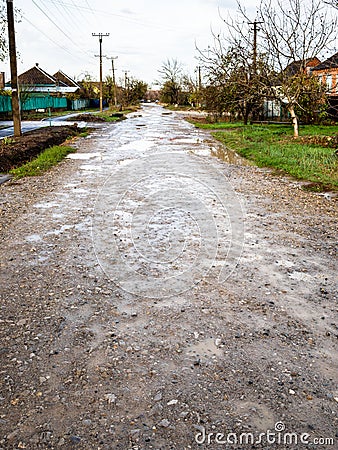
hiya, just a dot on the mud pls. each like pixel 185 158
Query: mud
pixel 17 151
pixel 157 297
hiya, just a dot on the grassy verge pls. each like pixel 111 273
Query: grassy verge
pixel 310 157
pixel 47 159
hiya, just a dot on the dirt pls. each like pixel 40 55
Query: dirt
pixel 17 151
pixel 87 118
pixel 155 297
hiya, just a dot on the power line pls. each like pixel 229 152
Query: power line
pixel 52 21
pixel 121 16
pixel 54 42
pixel 59 28
pixel 63 12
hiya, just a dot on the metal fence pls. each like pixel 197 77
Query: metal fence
pixel 33 103
pixel 76 105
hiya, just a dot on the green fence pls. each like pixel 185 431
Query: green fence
pixel 5 103
pixel 33 103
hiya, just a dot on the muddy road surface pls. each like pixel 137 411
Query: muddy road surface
pixel 155 296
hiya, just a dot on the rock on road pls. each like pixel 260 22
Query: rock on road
pixel 154 296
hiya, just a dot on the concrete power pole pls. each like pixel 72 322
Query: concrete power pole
pixel 114 82
pixel 100 36
pixel 14 70
pixel 126 85
pixel 199 87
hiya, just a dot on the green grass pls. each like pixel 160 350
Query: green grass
pixel 274 146
pixel 47 159
pixel 218 125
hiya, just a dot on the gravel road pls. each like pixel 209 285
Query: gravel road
pixel 157 292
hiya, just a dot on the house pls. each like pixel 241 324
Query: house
pixel 63 79
pixel 301 66
pixel 38 80
pixel 327 72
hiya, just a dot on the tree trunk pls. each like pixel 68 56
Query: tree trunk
pixel 294 121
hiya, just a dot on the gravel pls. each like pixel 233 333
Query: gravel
pixel 86 364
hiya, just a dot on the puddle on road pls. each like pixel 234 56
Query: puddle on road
pixel 140 145
pixel 184 140
pixel 83 156
pixel 33 238
pixel 228 156
pixel 125 162
pixel 205 349
pixel 300 276
pixel 92 167
pixel 47 205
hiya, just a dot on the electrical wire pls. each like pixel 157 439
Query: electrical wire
pixel 59 28
pixel 121 16
pixel 61 11
pixel 55 42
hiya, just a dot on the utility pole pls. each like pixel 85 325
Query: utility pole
pixel 114 82
pixel 199 87
pixel 254 59
pixel 253 73
pixel 126 78
pixel 126 85
pixel 14 70
pixel 100 36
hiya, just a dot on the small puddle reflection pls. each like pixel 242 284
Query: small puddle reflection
pixel 228 156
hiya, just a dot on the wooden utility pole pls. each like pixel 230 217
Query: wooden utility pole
pixel 114 82
pixel 100 36
pixel 254 58
pixel 14 70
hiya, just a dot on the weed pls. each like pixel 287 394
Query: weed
pixel 47 159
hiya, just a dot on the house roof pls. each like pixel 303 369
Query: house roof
pixel 329 63
pixel 35 76
pixel 65 79
pixel 295 67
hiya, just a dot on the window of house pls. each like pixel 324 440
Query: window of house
pixel 329 82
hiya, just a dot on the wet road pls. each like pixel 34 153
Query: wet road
pixel 153 295
pixel 30 125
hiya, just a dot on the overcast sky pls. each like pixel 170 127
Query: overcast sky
pixel 57 34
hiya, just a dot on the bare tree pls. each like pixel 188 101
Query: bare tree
pixel 3 28
pixel 333 3
pixel 292 34
pixel 234 76
pixel 171 75
pixel 3 32
pixel 295 33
